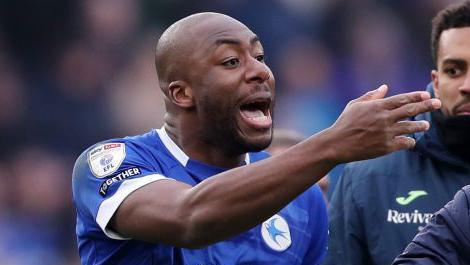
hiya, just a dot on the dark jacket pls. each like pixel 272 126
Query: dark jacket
pixel 445 240
pixel 379 205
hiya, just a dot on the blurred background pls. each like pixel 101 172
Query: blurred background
pixel 75 72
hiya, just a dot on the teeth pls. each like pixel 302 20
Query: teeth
pixel 262 118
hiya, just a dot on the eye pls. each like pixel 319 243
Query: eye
pixel 231 63
pixel 260 58
pixel 452 71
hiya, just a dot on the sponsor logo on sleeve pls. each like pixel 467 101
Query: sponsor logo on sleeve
pixel 105 159
pixel 119 177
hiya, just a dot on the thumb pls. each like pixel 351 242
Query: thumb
pixel 374 94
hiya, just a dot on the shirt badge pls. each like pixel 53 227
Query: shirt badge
pixel 105 159
pixel 276 234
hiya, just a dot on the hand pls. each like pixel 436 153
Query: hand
pixel 372 125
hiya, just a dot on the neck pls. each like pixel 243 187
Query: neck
pixel 188 138
pixel 454 133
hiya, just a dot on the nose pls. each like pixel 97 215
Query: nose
pixel 465 87
pixel 257 71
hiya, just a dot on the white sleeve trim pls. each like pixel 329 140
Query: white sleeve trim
pixel 109 206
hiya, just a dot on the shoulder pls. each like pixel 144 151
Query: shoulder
pixel 107 172
pixel 111 162
pixel 455 214
pixel 459 207
pixel 466 190
pixel 105 158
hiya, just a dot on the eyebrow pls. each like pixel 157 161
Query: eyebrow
pixel 458 62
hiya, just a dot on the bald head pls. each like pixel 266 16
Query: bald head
pixel 181 39
pixel 211 68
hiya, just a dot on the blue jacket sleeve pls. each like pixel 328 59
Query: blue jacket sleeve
pixel 445 240
pixel 346 244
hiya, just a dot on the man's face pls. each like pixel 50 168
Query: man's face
pixel 232 86
pixel 452 79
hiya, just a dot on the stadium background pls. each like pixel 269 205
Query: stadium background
pixel 79 71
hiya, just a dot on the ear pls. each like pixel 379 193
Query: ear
pixel 435 83
pixel 181 94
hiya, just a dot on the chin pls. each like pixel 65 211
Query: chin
pixel 258 142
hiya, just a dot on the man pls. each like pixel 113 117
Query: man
pixel 194 192
pixel 445 240
pixel 380 204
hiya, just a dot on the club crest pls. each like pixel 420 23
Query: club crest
pixel 276 234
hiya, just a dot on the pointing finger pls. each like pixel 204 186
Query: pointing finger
pixel 413 109
pixel 397 101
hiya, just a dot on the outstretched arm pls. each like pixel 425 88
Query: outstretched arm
pixel 236 200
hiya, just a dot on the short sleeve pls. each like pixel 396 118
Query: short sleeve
pixel 104 176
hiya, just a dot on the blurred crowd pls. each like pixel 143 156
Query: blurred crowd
pixel 75 72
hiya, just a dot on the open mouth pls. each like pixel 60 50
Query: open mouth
pixel 464 109
pixel 257 113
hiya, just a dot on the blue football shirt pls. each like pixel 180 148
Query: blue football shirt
pixel 106 173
